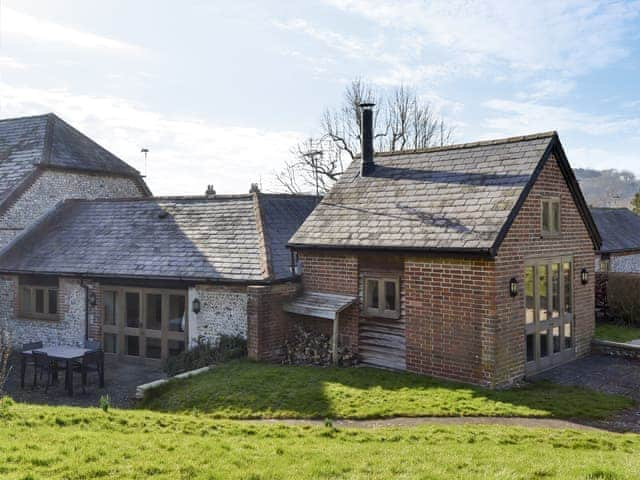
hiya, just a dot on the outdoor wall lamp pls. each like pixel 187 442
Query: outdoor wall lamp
pixel 513 287
pixel 195 305
pixel 584 276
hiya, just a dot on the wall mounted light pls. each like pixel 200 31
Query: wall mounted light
pixel 195 305
pixel 92 299
pixel 513 287
pixel 584 276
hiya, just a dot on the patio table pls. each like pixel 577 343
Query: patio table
pixel 63 354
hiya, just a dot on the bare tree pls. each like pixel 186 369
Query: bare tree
pixel 402 121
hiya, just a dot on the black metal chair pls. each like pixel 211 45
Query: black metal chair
pixel 92 362
pixel 42 364
pixel 26 358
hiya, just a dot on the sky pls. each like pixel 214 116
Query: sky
pixel 221 91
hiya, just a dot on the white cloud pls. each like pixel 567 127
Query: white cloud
pixel 543 89
pixel 185 155
pixel 11 63
pixel 527 117
pixel 572 36
pixel 601 159
pixel 27 26
pixel 394 66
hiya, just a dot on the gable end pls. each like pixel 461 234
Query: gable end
pixel 555 148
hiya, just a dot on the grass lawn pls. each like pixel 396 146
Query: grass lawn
pixel 616 333
pixel 242 389
pixel 40 442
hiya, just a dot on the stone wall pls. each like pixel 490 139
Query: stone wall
pixel 68 329
pixel 223 311
pixel 625 263
pixel 53 186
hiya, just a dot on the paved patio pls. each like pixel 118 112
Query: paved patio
pixel 606 374
pixel 121 380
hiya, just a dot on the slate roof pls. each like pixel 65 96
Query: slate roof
pixel 619 228
pixel 42 141
pixel 179 238
pixel 459 198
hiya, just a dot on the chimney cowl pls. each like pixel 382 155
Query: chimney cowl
pixel 366 152
pixel 210 191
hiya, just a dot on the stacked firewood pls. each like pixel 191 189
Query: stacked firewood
pixel 313 348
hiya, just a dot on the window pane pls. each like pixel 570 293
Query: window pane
pixel 175 347
pixel 555 217
pixel 545 217
pixel 567 287
pixel 372 294
pixel 555 290
pixel 529 294
pixel 544 343
pixel 132 301
pixel 556 339
pixel 543 291
pixel 568 339
pixel 109 301
pixel 53 301
pixel 176 313
pixel 153 348
pixel 39 300
pixel 390 295
pixel 530 348
pixel 153 313
pixel 110 341
pixel 25 300
pixel 132 345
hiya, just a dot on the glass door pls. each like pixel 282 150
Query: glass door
pixel 149 324
pixel 548 313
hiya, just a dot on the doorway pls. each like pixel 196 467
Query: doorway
pixel 549 325
pixel 146 324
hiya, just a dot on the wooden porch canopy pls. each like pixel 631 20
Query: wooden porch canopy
pixel 322 305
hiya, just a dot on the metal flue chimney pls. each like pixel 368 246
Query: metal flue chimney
pixel 366 124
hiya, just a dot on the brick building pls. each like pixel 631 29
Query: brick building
pixel 472 262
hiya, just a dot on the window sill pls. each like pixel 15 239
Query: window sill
pixel 550 235
pixel 391 316
pixel 36 318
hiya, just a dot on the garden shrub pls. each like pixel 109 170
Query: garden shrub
pixel 206 353
pixel 623 294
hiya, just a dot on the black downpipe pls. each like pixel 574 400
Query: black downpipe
pixel 86 311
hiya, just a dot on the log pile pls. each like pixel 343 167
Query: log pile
pixel 312 348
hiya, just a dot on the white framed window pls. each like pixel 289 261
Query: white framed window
pixel 382 296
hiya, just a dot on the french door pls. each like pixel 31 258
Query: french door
pixel 549 324
pixel 144 323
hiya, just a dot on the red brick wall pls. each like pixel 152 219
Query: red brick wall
pixel 524 241
pixel 328 272
pixel 449 313
pixel 267 323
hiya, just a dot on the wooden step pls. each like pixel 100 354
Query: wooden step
pixel 394 343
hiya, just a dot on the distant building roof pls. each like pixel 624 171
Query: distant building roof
pixel 42 141
pixel 223 238
pixel 453 198
pixel 619 228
